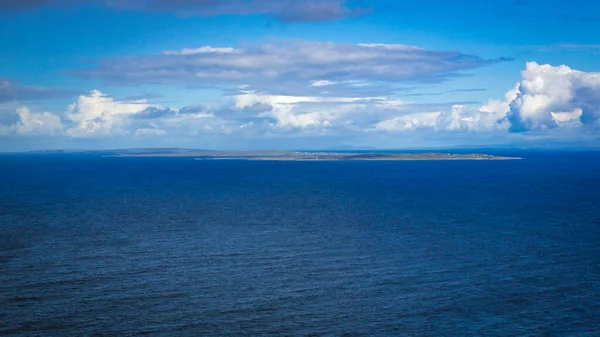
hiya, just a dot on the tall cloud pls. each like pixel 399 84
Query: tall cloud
pixel 555 96
pixel 98 115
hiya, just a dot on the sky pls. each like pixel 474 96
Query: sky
pixel 291 74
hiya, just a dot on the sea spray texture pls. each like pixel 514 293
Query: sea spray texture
pixel 175 246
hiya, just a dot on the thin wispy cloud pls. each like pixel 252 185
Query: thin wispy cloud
pixel 282 10
pixel 12 91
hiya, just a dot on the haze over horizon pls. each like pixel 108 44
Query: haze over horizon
pixel 283 74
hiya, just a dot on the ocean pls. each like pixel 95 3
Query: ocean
pixel 95 246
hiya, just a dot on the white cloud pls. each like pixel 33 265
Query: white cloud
pixel 546 97
pixel 373 114
pixel 152 131
pixel 322 83
pixel 201 50
pixel 500 108
pixel 310 111
pixel 284 10
pixel 343 84
pixel 555 96
pixel 551 101
pixel 98 115
pixel 409 122
pixel 567 117
pixel 29 123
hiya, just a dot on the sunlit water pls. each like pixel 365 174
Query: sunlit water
pixel 173 246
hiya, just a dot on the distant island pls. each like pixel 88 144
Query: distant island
pixel 286 155
pixel 329 156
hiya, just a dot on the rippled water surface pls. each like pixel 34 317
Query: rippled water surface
pixel 172 246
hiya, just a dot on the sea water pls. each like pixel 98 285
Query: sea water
pixel 172 246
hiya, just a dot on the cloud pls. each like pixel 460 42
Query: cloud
pixel 554 96
pixel 11 91
pixel 295 64
pixel 322 83
pixel 283 10
pixel 410 122
pixel 152 131
pixel 24 4
pixel 44 123
pixel 439 93
pixel 578 46
pixel 290 112
pixel 154 112
pixel 549 102
pixel 98 115
pixel 142 98
pixel 361 114
pixel 201 50
pixel 459 118
pixel 193 109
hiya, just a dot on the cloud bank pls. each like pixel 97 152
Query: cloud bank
pixel 300 65
pixel 548 101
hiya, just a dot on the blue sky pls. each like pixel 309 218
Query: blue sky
pixel 284 74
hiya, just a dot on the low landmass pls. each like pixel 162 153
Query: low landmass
pixel 313 156
pixel 286 155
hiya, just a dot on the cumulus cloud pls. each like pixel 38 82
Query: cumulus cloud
pixel 283 10
pixel 458 118
pixel 362 114
pixel 29 123
pixel 98 115
pixel 11 91
pixel 409 122
pixel 295 64
pixel 288 112
pixel 554 96
pixel 547 97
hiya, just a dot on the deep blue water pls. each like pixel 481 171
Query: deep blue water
pixel 172 246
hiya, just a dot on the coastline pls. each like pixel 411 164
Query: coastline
pixel 321 156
